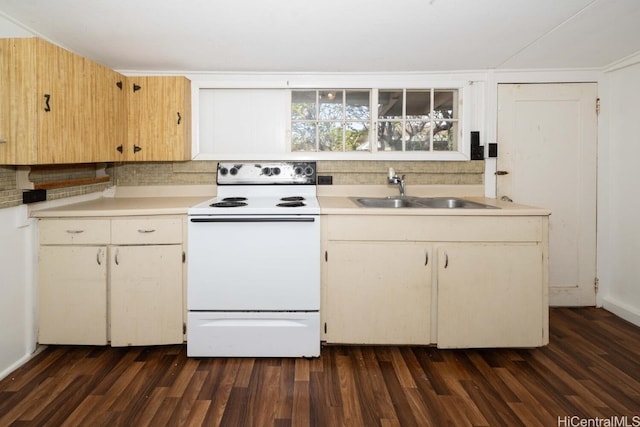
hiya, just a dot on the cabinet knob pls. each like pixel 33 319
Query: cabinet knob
pixel 120 148
pixel 136 148
pixel 136 87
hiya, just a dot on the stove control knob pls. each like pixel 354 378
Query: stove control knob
pixel 297 170
pixel 276 171
pixel 308 171
pixel 266 171
pixel 224 171
pixel 233 171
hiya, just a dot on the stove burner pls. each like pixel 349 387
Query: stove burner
pixel 227 204
pixel 234 199
pixel 292 199
pixel 294 204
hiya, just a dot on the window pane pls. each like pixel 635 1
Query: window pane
pixel 390 136
pixel 303 105
pixel 445 104
pixel 357 105
pixel 390 104
pixel 331 136
pixel 418 135
pixel 357 136
pixel 445 136
pixel 303 136
pixel 331 105
pixel 418 105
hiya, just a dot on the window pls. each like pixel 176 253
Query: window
pixel 330 120
pixel 405 120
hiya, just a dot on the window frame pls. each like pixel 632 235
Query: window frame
pixel 462 153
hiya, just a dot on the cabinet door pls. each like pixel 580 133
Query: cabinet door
pixel 146 295
pixel 63 107
pixel 490 295
pixel 159 119
pixel 72 295
pixel 106 117
pixel 378 293
pixel 19 98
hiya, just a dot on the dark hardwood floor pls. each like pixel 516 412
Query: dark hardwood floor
pixel 590 369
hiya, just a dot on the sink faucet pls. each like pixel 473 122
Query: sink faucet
pixel 395 179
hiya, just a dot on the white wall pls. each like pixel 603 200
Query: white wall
pixel 17 301
pixel 618 201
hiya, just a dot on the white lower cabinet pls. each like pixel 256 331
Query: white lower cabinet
pixel 145 301
pixel 378 293
pixel 73 295
pixel 111 280
pixel 454 281
pixel 490 295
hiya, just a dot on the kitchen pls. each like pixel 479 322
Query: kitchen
pixel 617 229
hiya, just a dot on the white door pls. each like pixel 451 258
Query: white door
pixel 547 136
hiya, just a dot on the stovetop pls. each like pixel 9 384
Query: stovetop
pixel 276 188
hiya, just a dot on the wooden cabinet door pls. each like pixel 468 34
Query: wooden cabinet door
pixel 105 113
pixel 146 295
pixel 489 295
pixel 159 119
pixel 378 293
pixel 63 110
pixel 72 295
pixel 19 97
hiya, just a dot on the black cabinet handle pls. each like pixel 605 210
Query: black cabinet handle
pixel 120 148
pixel 47 98
pixel 119 84
pixel 136 148
pixel 179 117
pixel 136 87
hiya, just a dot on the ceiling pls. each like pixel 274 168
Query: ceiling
pixel 336 35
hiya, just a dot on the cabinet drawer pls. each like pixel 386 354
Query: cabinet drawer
pixel 74 231
pixel 141 231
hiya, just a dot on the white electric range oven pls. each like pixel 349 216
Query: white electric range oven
pixel 254 264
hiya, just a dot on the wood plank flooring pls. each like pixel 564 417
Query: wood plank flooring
pixel 590 369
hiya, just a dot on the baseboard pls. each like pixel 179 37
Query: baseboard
pixel 24 359
pixel 625 311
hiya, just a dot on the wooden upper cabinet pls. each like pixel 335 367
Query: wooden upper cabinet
pixel 57 107
pixel 159 119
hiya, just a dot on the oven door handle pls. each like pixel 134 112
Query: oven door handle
pixel 274 219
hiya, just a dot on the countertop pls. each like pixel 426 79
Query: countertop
pixel 138 201
pixel 122 206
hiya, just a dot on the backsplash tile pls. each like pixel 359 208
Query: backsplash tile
pixel 344 172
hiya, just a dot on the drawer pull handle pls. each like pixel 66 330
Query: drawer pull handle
pixel 3 140
pixel 116 258
pixel 146 231
pixel 446 260
pixel 98 257
pixel 75 231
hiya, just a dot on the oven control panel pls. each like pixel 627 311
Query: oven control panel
pixel 266 173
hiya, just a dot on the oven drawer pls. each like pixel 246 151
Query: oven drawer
pixel 146 231
pixel 252 334
pixel 74 231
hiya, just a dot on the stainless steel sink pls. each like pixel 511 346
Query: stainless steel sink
pixel 453 203
pixel 419 202
pixel 386 202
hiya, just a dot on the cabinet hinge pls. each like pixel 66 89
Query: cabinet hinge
pixel 597 106
pixel 596 285
pixel 184 257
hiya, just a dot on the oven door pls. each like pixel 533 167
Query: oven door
pixel 254 263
